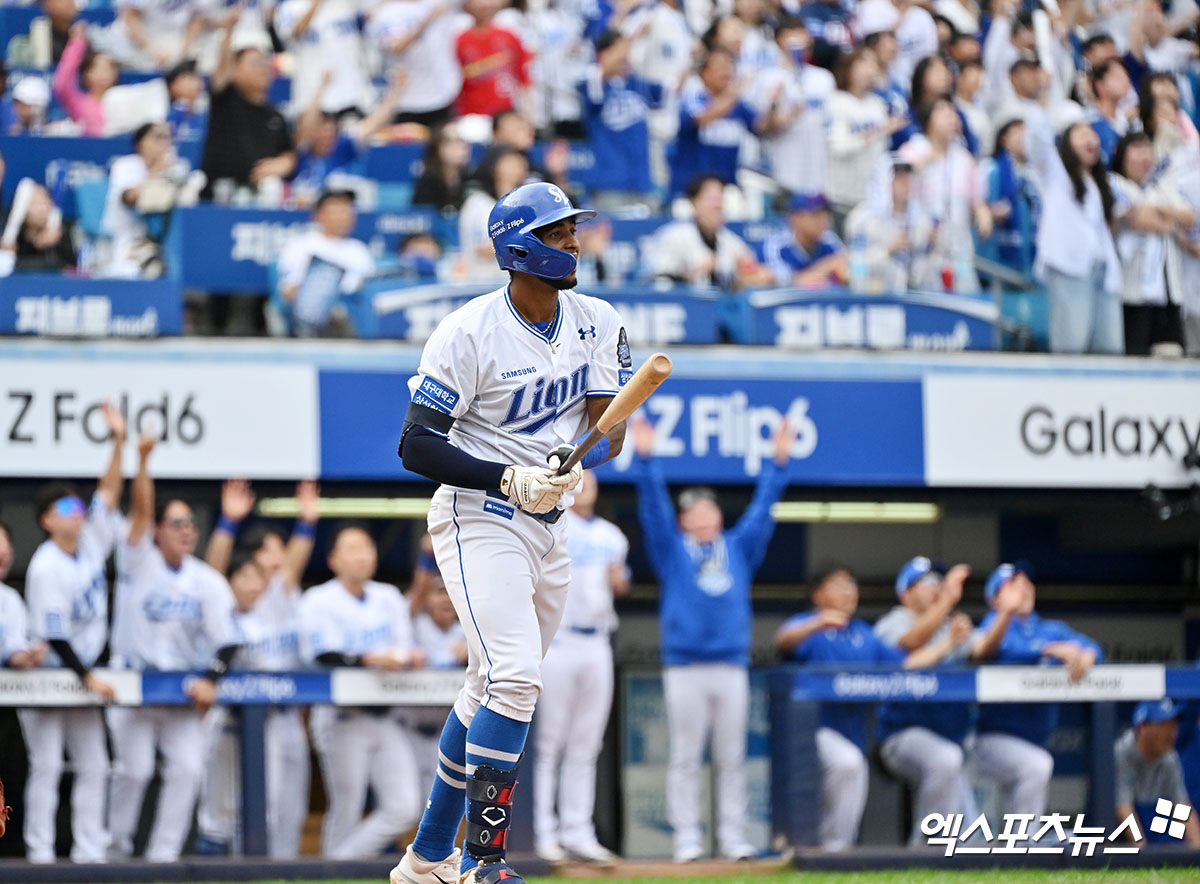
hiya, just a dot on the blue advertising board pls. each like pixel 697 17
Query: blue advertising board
pixel 229 249
pixel 804 320
pixel 653 317
pixel 848 432
pixel 50 305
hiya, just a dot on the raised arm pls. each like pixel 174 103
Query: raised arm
pixel 935 652
pixel 141 509
pixel 237 500
pixel 930 620
pixel 987 646
pixel 753 530
pixel 655 511
pixel 223 72
pixel 113 480
pixel 383 111
pixel 300 544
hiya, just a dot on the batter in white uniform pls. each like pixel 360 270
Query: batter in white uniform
pixel 66 590
pixel 353 620
pixel 173 614
pixel 505 384
pixel 265 577
pixel 577 687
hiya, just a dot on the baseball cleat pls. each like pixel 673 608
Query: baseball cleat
pixel 552 853
pixel 594 853
pixel 413 870
pixel 491 873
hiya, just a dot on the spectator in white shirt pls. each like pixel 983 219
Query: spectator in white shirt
pixel 133 254
pixel 1008 39
pixel 323 35
pixel 319 267
pixel 1076 256
pixel 1151 44
pixel 506 169
pixel 1151 215
pixel 891 236
pixel 702 251
pixel 797 152
pixel 418 35
pixel 156 34
pixel 859 127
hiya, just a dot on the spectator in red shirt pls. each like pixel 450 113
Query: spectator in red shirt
pixel 494 62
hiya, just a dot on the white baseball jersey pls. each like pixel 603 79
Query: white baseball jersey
pixel 515 392
pixel 334 620
pixel 14 625
pixel 438 645
pixel 592 544
pixel 169 619
pixel 68 595
pixel 269 633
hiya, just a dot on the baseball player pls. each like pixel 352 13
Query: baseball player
pixel 16 650
pixel 1010 741
pixel 705 573
pixel 173 613
pixel 831 635
pixel 577 687
pixel 504 385
pixel 66 590
pixel 921 743
pixel 353 620
pixel 266 624
pixel 1148 769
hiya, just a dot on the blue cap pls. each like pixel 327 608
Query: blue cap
pixel 997 579
pixel 914 570
pixel 1155 710
pixel 809 201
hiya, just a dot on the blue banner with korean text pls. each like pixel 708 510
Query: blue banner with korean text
pixel 47 305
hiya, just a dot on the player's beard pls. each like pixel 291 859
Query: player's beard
pixel 567 282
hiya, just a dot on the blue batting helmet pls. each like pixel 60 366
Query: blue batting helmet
pixel 514 219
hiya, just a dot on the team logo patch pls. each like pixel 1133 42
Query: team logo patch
pixel 499 509
pixel 623 376
pixel 624 357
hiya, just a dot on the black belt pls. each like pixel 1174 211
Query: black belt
pixel 549 518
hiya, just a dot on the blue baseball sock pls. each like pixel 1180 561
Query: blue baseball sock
pixel 444 809
pixel 495 740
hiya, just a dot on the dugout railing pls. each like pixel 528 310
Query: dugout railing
pixel 797 693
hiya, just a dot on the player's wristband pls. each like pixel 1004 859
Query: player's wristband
pixel 228 525
pixel 595 457
pixel 307 530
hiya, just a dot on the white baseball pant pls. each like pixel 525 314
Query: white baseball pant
pixel 572 714
pixel 1020 768
pixel 176 732
pixel 287 781
pixel 933 767
pixel 424 726
pixel 507 574
pixel 704 699
pixel 844 779
pixel 359 749
pixel 81 732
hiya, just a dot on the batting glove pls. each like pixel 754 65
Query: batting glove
pixel 559 456
pixel 534 488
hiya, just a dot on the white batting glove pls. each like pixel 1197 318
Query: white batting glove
pixel 559 456
pixel 533 488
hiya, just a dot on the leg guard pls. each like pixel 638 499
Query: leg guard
pixel 489 813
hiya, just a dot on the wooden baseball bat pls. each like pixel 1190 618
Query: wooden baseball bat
pixel 629 398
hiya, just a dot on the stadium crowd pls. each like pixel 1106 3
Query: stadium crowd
pixel 898 144
pixel 243 607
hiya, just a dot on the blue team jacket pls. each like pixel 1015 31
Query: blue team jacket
pixel 704 614
pixel 855 644
pixel 1022 645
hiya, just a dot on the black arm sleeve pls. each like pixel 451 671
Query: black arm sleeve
pixel 67 654
pixel 334 658
pixel 426 450
pixel 220 664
